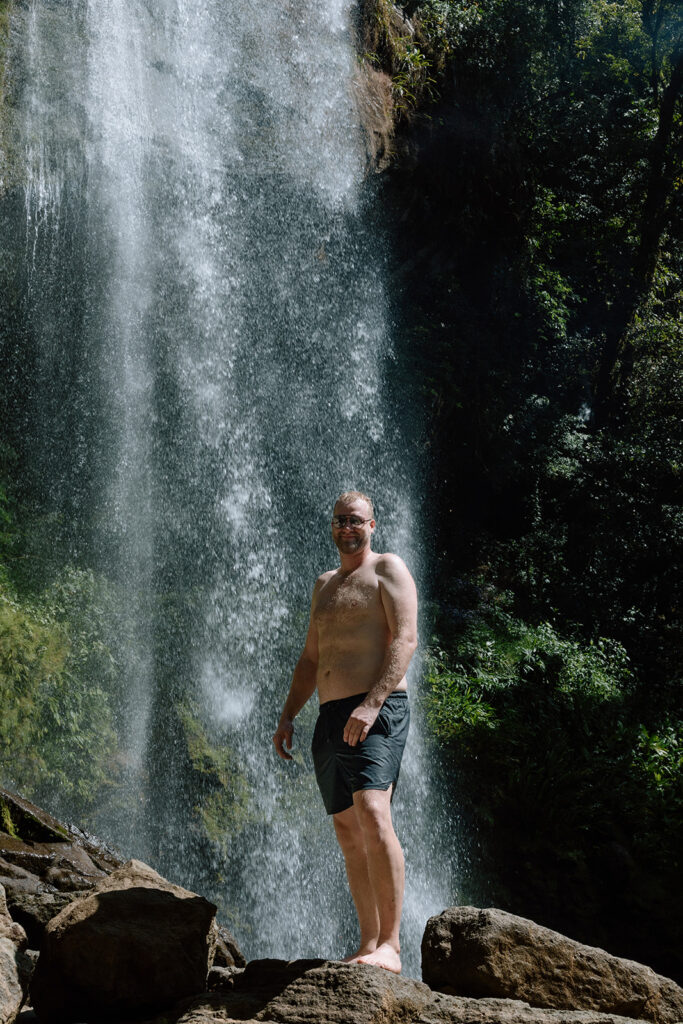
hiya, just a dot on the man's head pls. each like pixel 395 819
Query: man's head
pixel 353 522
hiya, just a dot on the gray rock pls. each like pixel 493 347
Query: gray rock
pixel 11 992
pixel 472 952
pixel 135 944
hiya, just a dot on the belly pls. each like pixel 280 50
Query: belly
pixel 343 676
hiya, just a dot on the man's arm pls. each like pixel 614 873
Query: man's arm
pixel 303 685
pixel 399 600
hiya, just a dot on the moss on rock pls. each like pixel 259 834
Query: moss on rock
pixel 28 823
pixel 221 789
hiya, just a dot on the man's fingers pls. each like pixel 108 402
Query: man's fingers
pixel 281 741
pixel 355 732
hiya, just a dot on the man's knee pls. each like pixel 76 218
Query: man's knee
pixel 373 810
pixel 348 830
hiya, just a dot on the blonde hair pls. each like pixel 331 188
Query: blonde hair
pixel 349 496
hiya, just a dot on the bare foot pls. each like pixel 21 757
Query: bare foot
pixel 384 956
pixel 365 950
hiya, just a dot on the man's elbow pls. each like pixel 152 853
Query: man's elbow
pixel 409 642
pixel 307 662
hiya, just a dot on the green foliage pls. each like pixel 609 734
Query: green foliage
pixel 542 313
pixel 526 710
pixel 659 756
pixel 76 709
pixel 58 677
pixel 602 529
pixel 525 259
pixel 56 733
pixel 565 771
pixel 33 652
pixel 392 46
pixel 411 82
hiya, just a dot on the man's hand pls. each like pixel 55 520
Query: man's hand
pixel 359 724
pixel 283 738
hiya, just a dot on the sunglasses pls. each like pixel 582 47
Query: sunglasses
pixel 340 521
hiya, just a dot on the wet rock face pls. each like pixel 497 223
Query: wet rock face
pixel 135 944
pixel 45 864
pixel 467 951
pixel 41 854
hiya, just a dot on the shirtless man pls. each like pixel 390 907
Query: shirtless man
pixel 361 637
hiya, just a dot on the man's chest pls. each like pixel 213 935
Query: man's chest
pixel 346 600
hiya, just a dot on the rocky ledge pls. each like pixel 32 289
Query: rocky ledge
pixel 322 992
pixel 85 938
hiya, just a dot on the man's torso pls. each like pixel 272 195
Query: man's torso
pixel 353 634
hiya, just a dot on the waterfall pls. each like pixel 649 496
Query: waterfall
pixel 206 294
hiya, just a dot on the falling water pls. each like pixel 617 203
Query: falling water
pixel 207 299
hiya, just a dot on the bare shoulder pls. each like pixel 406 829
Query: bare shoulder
pixel 398 594
pixel 392 568
pixel 318 587
pixel 323 579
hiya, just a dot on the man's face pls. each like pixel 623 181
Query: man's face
pixel 352 539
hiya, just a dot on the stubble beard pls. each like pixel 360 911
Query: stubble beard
pixel 350 545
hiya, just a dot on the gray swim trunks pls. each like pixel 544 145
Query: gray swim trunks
pixel 375 763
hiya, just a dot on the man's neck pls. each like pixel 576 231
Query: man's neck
pixel 350 562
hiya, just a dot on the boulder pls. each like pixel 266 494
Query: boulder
pixel 12 969
pixel 135 944
pixel 472 952
pixel 323 992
